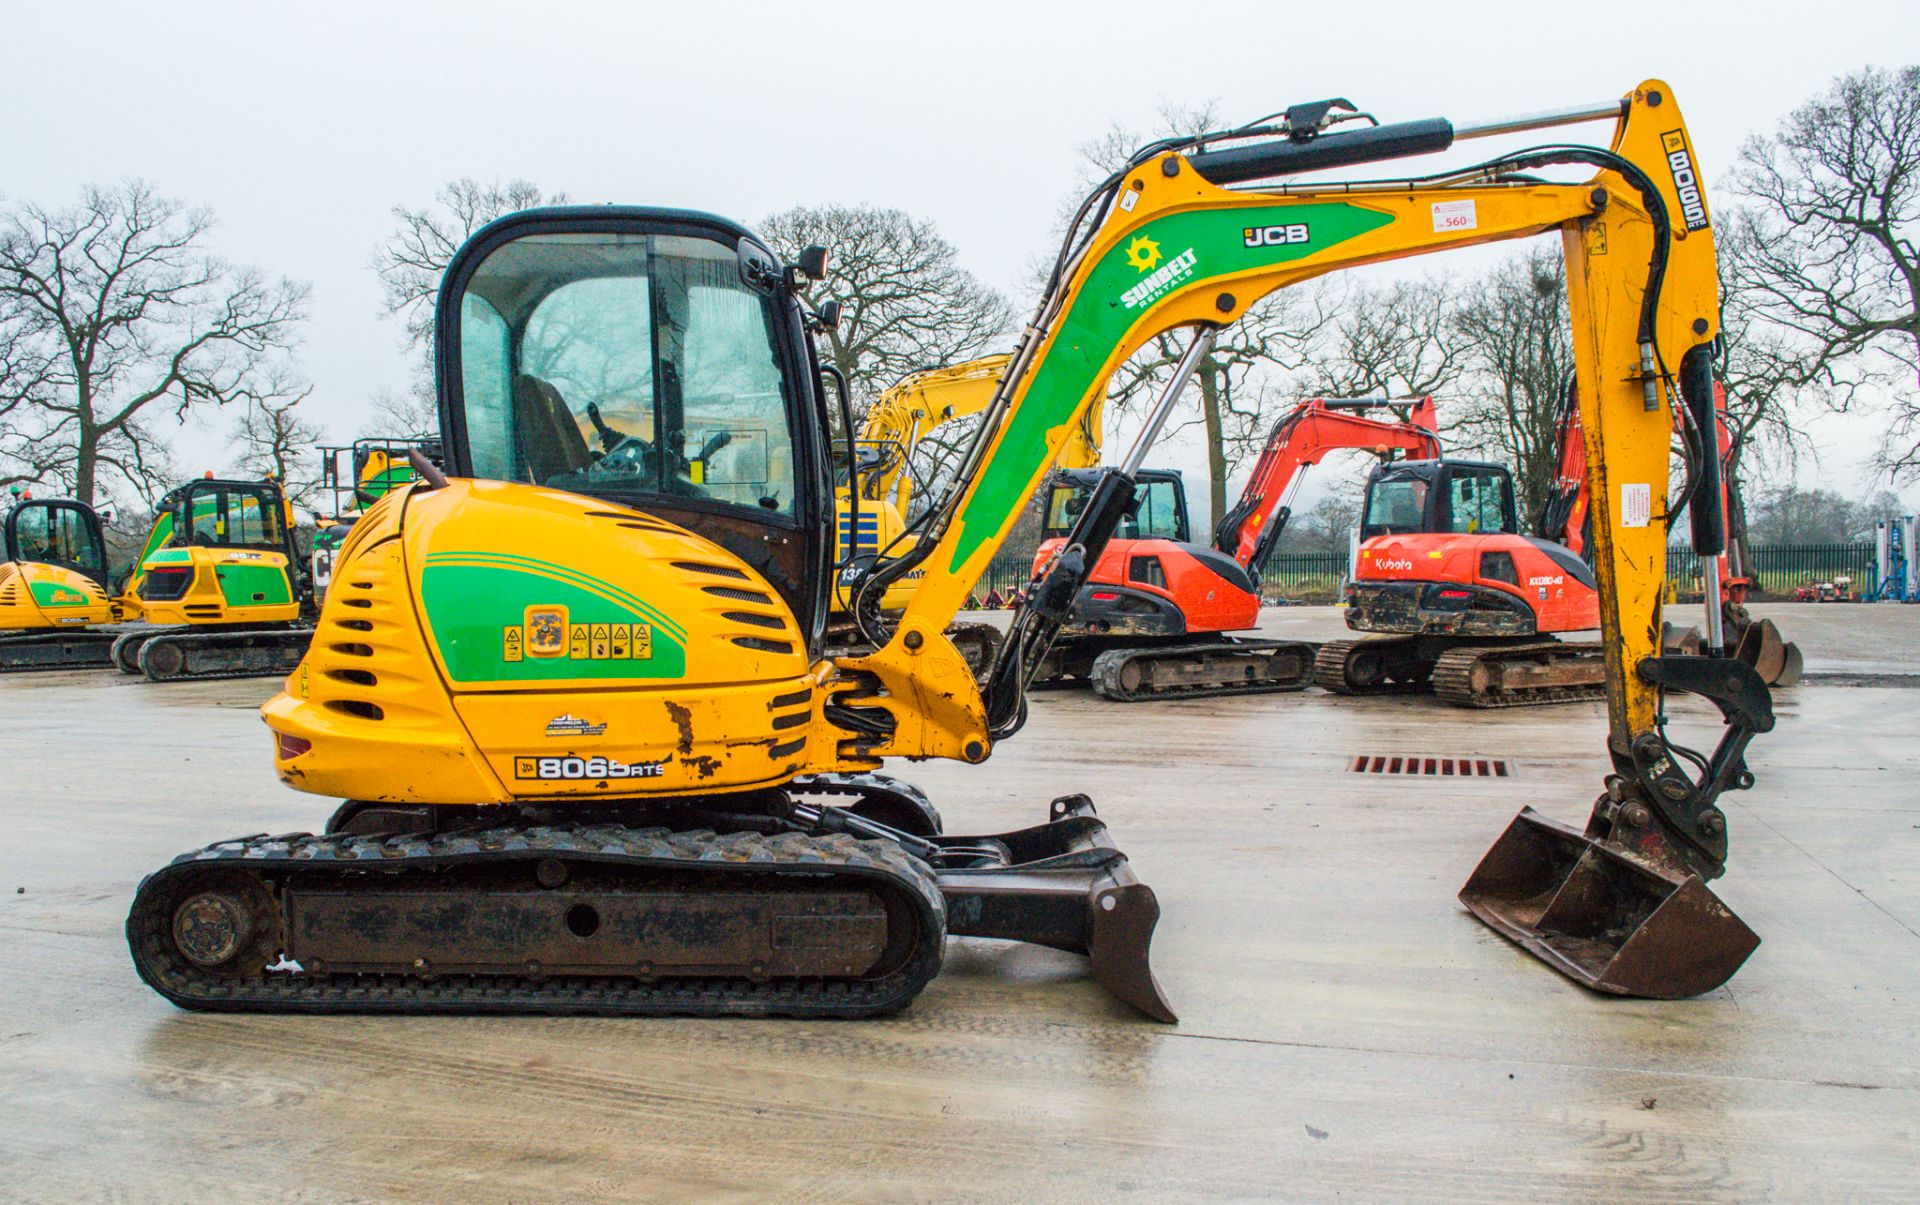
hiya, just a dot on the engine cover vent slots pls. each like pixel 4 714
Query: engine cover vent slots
pixel 1438 767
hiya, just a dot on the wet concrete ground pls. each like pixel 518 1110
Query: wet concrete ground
pixel 1347 1030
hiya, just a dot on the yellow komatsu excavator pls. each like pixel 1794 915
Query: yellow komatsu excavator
pixel 596 759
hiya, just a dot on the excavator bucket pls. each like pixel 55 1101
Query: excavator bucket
pixel 1604 917
pixel 1775 659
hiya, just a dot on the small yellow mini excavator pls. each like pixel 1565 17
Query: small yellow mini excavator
pixel 220 584
pixel 596 760
pixel 54 601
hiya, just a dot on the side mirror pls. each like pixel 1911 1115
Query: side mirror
pixel 827 317
pixel 813 262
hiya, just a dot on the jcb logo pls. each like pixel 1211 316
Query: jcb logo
pixel 1686 182
pixel 1276 236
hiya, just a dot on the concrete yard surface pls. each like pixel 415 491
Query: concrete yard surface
pixel 1347 1031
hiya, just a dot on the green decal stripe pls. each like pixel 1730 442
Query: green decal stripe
pixel 161 533
pixel 169 556
pixel 470 606
pixel 526 564
pixel 1098 321
pixel 53 594
pixel 240 582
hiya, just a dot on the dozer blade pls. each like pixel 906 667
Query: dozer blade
pixel 1604 917
pixel 1062 884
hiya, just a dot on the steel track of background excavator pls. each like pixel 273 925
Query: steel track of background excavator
pixel 30 651
pixel 1333 667
pixel 1203 669
pixel 1463 676
pixel 189 654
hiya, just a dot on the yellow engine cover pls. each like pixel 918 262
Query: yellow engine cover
pixel 224 585
pixel 488 642
pixel 40 597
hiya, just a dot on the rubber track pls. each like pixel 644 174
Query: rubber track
pixel 1330 672
pixel 1453 676
pixel 214 640
pixel 1107 666
pixel 725 857
pixel 84 640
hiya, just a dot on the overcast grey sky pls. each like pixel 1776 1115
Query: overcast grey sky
pixel 302 125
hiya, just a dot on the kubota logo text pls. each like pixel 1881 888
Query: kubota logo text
pixel 1397 566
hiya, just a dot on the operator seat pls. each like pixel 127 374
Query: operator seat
pixel 549 437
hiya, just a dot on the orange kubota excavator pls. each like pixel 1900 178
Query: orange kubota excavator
pixel 1153 618
pixel 1565 517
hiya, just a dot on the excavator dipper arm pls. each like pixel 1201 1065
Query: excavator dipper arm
pixel 1249 531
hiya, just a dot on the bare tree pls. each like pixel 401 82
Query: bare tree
pixel 408 415
pixel 276 441
pixel 1236 384
pixel 411 260
pixel 112 309
pixel 410 263
pixel 1826 253
pixel 1328 525
pixel 908 304
pixel 1514 324
pixel 1393 341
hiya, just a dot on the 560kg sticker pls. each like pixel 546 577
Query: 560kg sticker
pixel 584 768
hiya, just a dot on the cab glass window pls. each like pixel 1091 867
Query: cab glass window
pixel 229 518
pixel 1064 505
pixel 55 535
pixel 1478 503
pixel 1159 515
pixel 621 365
pixel 1395 506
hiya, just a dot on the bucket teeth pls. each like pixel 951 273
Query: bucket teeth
pixel 1605 918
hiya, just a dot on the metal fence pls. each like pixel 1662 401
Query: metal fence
pixel 1006 575
pixel 1318 576
pixel 1778 568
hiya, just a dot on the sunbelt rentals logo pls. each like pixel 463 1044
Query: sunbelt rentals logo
pixel 1143 253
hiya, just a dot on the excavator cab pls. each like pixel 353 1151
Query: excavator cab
pixel 652 359
pixel 60 533
pixel 1160 505
pixel 1466 497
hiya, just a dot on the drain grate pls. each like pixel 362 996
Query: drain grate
pixel 1440 767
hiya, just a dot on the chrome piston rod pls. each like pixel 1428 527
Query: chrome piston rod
pixel 1197 350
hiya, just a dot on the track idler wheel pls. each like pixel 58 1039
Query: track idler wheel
pixel 1604 917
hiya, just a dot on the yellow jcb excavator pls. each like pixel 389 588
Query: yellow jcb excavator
pixel 596 760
